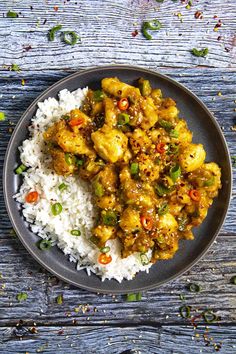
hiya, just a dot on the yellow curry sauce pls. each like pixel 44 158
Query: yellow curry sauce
pixel 151 183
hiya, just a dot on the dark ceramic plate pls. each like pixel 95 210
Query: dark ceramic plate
pixel 205 130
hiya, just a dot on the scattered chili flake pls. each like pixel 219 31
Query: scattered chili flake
pixel 55 8
pixel 219 38
pixel 218 25
pixel 198 14
pixel 26 48
pixel 134 33
pixel 60 332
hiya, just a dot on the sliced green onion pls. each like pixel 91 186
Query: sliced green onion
pixel 185 311
pixel 123 119
pixel 15 67
pixel 75 232
pixel 233 280
pixel 164 208
pixel 173 149
pixel 194 288
pixel 174 133
pixel 200 52
pixel 134 168
pixel 59 299
pixel 145 87
pixel 144 259
pixel 209 316
pixel 161 189
pixel 98 189
pixel 98 95
pixel 152 25
pixel 56 209
pixel 182 297
pixel 70 37
pixel 133 297
pixel 20 169
pixel 22 297
pixel 165 124
pixel 66 117
pixel 12 14
pixel 209 182
pixel 2 116
pixel 175 172
pixel 109 218
pixel 69 158
pixel 44 245
pixel 79 162
pixel 182 223
pixel 62 187
pixel 52 31
pixel 105 249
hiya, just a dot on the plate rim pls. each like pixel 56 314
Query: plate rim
pixel 92 70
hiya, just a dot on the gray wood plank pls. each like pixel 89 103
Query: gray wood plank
pixel 118 340
pixel 106 27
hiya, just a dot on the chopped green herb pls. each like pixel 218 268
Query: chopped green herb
pixel 52 32
pixel 144 259
pixel 109 218
pixel 2 116
pixel 62 187
pixel 20 169
pixel 123 119
pixel 165 124
pixel 56 209
pixel 161 189
pixel 175 172
pixel 15 67
pixel 152 25
pixel 194 288
pixel 233 280
pixel 209 316
pixel 98 95
pixel 79 162
pixel 173 149
pixel 185 311
pixel 133 297
pixel 75 232
pixel 69 158
pixel 174 133
pixel 209 182
pixel 44 245
pixel 105 249
pixel 164 208
pixel 12 14
pixel 59 299
pixel 200 52
pixel 98 189
pixel 22 297
pixel 70 37
pixel 134 168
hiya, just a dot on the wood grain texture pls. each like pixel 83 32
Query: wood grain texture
pixel 110 324
pixel 118 340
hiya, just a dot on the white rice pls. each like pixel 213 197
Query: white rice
pixel 79 211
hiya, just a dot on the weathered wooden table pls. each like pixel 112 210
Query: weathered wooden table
pixel 93 323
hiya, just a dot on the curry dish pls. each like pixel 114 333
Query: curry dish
pixel 150 182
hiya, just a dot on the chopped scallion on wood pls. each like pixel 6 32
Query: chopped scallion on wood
pixel 20 169
pixel 22 297
pixel 133 297
pixel 70 37
pixel 52 32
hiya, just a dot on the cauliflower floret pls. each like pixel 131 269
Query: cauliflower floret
pixel 130 220
pixel 167 223
pixel 192 157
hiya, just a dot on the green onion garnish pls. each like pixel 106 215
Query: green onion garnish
pixel 182 297
pixel 20 169
pixel 2 116
pixel 52 31
pixel 165 124
pixel 123 119
pixel 194 288
pixel 15 67
pixel 152 25
pixel 209 316
pixel 182 223
pixel 59 299
pixel 12 14
pixel 98 189
pixel 175 172
pixel 75 232
pixel 98 95
pixel 133 297
pixel 209 182
pixel 233 280
pixel 163 209
pixel 62 187
pixel 105 249
pixel 69 158
pixel 134 168
pixel 22 296
pixel 109 218
pixel 200 52
pixel 185 311
pixel 70 37
pixel 173 149
pixel 161 190
pixel 56 209
pixel 144 259
pixel 44 245
pixel 174 133
pixel 79 162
